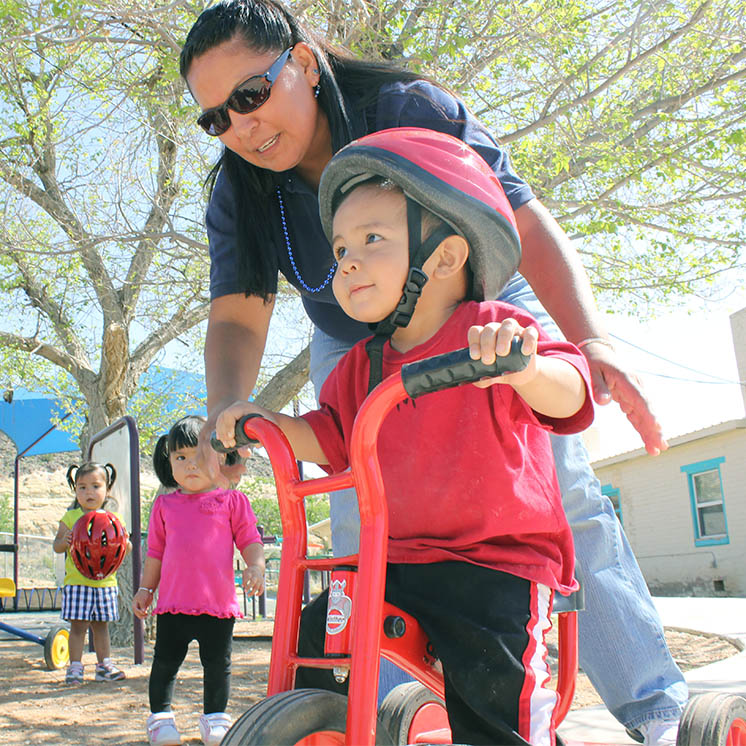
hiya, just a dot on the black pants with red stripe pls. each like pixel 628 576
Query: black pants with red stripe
pixel 486 628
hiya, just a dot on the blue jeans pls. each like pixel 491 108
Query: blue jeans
pixel 622 647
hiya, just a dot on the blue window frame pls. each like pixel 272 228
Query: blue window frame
pixel 613 494
pixel 707 502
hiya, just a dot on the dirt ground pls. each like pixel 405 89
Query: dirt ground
pixel 36 707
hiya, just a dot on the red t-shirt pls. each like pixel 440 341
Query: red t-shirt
pixel 468 472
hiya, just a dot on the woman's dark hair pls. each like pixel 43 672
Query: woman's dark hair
pixel 183 434
pixel 267 25
pixel 88 467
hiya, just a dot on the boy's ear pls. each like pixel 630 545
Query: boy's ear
pixel 449 258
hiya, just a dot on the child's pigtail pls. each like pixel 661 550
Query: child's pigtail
pixel 111 476
pixel 72 475
pixel 162 463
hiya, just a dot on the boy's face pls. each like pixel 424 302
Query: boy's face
pixel 370 245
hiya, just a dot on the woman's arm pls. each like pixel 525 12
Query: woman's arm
pixel 553 268
pixel 236 335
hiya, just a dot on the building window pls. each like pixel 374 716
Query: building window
pixel 613 494
pixel 707 501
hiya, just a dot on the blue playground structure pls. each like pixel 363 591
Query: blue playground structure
pixel 27 419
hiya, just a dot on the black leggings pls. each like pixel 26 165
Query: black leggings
pixel 480 622
pixel 173 634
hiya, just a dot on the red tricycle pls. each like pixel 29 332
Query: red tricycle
pixel 361 626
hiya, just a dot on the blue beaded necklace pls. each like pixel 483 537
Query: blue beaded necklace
pixel 292 258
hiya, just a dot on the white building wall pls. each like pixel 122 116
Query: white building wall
pixel 657 516
pixel 738 330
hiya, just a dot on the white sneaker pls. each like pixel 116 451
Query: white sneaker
pixel 660 732
pixel 74 673
pixel 213 727
pixel 162 730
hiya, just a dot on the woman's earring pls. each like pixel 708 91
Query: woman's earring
pixel 316 90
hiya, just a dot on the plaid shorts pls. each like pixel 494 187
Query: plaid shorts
pixel 88 603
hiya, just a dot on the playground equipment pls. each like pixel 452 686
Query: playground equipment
pixel 55 643
pixel 118 444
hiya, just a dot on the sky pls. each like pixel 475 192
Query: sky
pixel 686 360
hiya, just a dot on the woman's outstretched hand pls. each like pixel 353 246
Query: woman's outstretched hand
pixel 612 380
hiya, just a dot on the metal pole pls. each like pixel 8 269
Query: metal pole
pixel 263 597
pixel 307 575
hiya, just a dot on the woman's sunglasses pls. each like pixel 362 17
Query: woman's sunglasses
pixel 248 96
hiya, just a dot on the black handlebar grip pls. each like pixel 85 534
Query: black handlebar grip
pixel 454 368
pixel 241 437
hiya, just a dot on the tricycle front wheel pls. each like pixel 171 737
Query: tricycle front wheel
pixel 301 717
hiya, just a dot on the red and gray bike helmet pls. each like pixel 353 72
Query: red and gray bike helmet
pixel 99 544
pixel 451 180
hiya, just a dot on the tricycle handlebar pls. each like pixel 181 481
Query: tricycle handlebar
pixel 426 376
pixel 455 368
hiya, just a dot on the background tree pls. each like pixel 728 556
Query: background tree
pixel 627 118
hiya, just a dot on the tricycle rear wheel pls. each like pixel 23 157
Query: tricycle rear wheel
pixel 410 709
pixel 713 719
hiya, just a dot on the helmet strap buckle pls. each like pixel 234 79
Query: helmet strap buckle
pixel 416 280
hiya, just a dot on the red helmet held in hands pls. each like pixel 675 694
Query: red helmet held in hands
pixel 99 543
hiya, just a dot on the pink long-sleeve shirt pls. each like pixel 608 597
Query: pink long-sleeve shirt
pixel 193 537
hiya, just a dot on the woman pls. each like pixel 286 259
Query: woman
pixel 282 103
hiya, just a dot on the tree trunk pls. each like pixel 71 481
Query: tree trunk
pixel 286 383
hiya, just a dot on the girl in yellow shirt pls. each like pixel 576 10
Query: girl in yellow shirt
pixel 85 602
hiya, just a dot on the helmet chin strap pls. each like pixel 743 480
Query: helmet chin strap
pixel 419 252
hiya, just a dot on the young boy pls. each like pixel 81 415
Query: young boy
pixel 478 540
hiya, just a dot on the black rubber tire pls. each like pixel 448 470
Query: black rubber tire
pixel 708 718
pixel 56 650
pixel 288 717
pixel 399 707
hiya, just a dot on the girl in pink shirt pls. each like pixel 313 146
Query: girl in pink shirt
pixel 191 535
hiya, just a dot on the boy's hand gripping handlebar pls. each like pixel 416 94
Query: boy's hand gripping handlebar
pixel 432 374
pixel 456 368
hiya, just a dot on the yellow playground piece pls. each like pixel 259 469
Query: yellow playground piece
pixel 55 644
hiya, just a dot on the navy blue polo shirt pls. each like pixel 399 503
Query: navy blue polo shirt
pixel 414 104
